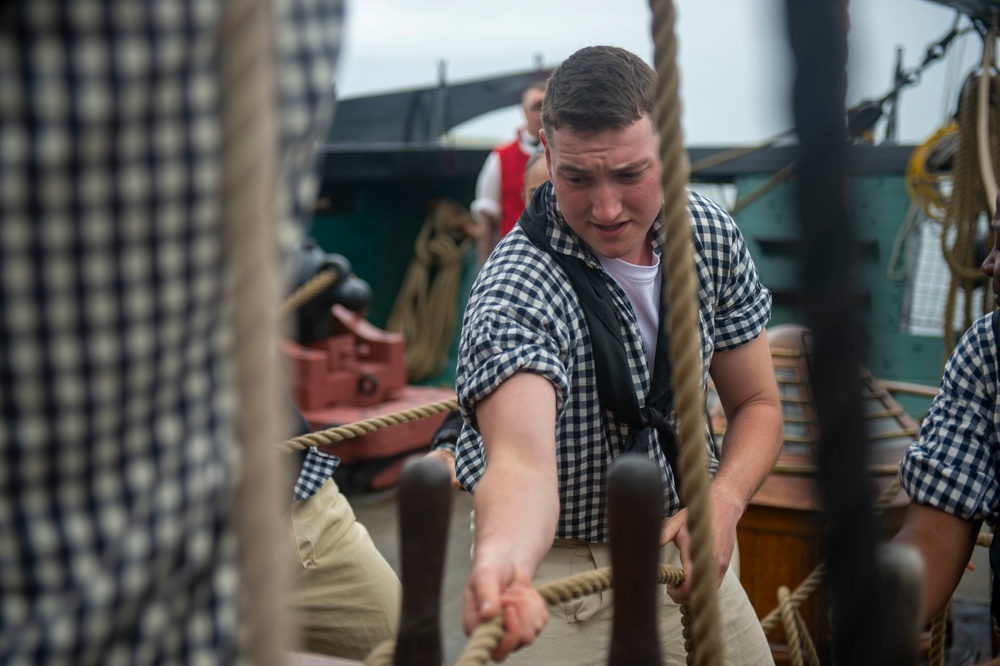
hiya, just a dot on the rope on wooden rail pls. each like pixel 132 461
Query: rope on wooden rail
pixel 681 294
pixel 351 430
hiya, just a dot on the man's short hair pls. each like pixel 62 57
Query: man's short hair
pixel 599 88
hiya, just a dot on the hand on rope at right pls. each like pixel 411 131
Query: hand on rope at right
pixel 726 512
pixel 502 587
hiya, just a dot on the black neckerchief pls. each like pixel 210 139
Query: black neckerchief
pixel 615 389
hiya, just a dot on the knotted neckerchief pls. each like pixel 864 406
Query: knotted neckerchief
pixel 615 389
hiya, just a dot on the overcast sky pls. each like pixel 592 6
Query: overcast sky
pixel 733 55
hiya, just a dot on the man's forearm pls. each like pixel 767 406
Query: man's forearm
pixel 517 509
pixel 750 450
pixel 517 498
pixel 945 543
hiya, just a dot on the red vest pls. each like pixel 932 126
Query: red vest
pixel 512 163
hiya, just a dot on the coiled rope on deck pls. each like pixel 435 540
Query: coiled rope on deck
pixel 250 178
pixel 681 293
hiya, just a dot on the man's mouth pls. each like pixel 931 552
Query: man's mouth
pixel 610 227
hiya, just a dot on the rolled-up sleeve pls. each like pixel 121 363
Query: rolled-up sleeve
pixel 953 466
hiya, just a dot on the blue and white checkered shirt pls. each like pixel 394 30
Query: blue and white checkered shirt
pixel 955 464
pixel 116 396
pixel 523 316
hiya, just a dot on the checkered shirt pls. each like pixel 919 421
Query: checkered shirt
pixel 116 396
pixel 954 465
pixel 523 316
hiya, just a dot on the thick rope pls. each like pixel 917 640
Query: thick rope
pixel 968 201
pixel 681 292
pixel 313 287
pixel 808 647
pixel 359 428
pixel 939 626
pixel 487 635
pixel 424 310
pixel 791 627
pixel 801 593
pixel 250 144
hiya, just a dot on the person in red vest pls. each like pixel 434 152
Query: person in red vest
pixel 498 201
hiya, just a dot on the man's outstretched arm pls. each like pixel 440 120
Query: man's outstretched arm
pixel 517 508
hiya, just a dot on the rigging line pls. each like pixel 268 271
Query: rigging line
pixel 982 118
pixel 736 153
pixel 951 73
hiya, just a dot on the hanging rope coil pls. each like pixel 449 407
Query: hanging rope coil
pixel 967 203
pixel 680 290
pixel 424 310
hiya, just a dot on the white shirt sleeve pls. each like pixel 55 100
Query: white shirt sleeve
pixel 487 201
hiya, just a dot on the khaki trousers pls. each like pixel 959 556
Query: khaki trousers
pixel 346 597
pixel 579 632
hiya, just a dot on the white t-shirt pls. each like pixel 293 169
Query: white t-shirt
pixel 642 286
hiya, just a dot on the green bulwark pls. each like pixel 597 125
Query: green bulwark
pixel 879 205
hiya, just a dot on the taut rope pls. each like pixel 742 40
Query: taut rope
pixel 487 635
pixel 312 288
pixel 351 430
pixel 681 293
pixel 250 144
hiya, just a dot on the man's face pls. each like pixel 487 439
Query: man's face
pixel 534 177
pixel 991 267
pixel 531 104
pixel 608 187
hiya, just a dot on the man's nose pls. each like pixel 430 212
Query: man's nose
pixel 606 202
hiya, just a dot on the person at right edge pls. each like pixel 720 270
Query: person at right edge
pixel 541 428
pixel 952 472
